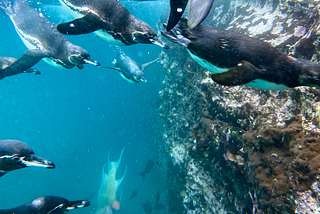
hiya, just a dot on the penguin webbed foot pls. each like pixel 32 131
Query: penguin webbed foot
pixel 6 7
pixel 198 11
pixel 176 36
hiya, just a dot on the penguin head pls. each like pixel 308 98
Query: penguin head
pixel 55 204
pixel 146 35
pixel 79 56
pixel 140 78
pixel 15 154
pixel 138 75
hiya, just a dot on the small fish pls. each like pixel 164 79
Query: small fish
pixel 147 207
pixel 133 194
pixel 158 197
pixel 129 69
pixel 159 207
pixel 147 168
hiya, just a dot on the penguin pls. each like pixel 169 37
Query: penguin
pixel 42 39
pixel 129 69
pixel 5 62
pixel 46 205
pixel 237 59
pixel 15 154
pixel 109 20
pixel 198 11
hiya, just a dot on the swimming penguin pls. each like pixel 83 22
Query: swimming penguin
pixel 129 69
pixel 107 196
pixel 109 20
pixel 236 59
pixel 198 11
pixel 15 154
pixel 46 205
pixel 5 62
pixel 42 39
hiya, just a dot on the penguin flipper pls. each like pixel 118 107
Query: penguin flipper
pixel 244 73
pixel 24 63
pixel 87 24
pixel 198 11
pixel 117 69
pixel 177 8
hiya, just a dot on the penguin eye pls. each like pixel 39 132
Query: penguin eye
pixel 27 158
pixel 147 36
pixel 79 57
pixel 15 158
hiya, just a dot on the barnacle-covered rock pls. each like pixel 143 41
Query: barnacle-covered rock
pixel 240 149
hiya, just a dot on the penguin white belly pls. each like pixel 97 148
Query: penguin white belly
pixel 263 84
pixel 108 38
pixel 75 11
pixel 207 65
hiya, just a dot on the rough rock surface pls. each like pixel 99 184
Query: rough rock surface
pixel 240 149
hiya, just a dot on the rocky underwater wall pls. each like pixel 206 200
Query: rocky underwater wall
pixel 240 149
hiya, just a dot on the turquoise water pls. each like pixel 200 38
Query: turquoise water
pixel 74 117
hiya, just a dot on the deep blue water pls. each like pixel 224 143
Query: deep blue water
pixel 74 117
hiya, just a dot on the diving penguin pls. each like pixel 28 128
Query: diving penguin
pixel 198 11
pixel 15 154
pixel 109 20
pixel 107 200
pixel 237 59
pixel 5 62
pixel 47 205
pixel 42 39
pixel 129 69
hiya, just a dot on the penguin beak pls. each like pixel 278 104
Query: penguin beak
pixel 143 80
pixel 37 161
pixel 77 59
pixel 92 62
pixel 159 42
pixel 77 204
